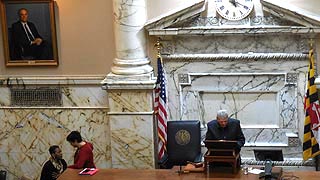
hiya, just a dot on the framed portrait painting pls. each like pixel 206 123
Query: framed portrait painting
pixel 29 32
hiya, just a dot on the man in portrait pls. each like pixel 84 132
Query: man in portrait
pixel 26 40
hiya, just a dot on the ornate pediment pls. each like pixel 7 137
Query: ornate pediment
pixel 268 16
pixel 291 13
pixel 176 16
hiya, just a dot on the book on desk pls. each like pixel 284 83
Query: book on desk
pixel 89 171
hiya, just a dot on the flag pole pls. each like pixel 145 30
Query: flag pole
pixel 311 41
pixel 161 106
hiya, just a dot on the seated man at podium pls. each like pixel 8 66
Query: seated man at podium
pixel 225 128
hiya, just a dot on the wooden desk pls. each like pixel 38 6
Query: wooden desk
pixel 222 151
pixel 302 175
pixel 164 174
pixel 222 155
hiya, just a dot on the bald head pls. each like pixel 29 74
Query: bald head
pixel 23 14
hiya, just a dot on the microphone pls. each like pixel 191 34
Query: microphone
pixel 268 168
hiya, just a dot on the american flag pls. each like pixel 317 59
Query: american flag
pixel 311 135
pixel 161 109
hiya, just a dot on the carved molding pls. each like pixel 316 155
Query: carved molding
pixel 50 80
pixel 292 78
pixel 172 18
pixel 235 30
pixel 183 78
pixel 281 163
pixel 252 21
pixel 232 57
pixel 290 12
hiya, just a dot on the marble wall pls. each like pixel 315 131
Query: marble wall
pixel 259 79
pixel 28 132
pixel 132 127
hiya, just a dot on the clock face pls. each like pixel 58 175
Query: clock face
pixel 234 9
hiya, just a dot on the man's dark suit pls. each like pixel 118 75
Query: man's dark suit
pixel 22 47
pixel 232 131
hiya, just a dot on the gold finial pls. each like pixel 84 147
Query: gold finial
pixel 158 45
pixel 311 41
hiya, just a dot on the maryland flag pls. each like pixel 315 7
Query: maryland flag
pixel 312 111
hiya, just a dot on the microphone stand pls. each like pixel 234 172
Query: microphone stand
pixel 267 175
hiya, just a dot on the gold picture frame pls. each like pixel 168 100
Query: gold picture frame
pixel 34 44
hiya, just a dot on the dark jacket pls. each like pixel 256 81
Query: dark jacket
pixel 19 35
pixel 21 46
pixel 232 131
pixel 48 169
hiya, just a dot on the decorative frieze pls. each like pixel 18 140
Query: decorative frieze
pixel 238 56
pixel 291 78
pixel 183 78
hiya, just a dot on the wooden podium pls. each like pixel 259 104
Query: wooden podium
pixel 221 151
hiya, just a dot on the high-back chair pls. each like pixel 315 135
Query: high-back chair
pixel 184 142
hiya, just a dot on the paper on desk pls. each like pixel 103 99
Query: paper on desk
pixel 255 171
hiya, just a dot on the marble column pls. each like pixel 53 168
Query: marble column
pixel 130 90
pixel 130 38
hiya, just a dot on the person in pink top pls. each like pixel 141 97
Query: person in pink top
pixel 83 157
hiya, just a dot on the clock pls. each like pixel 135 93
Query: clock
pixel 234 9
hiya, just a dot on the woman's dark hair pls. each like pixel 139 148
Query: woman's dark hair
pixel 74 136
pixel 52 149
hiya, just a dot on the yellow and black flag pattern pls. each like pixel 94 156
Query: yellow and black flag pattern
pixel 311 123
